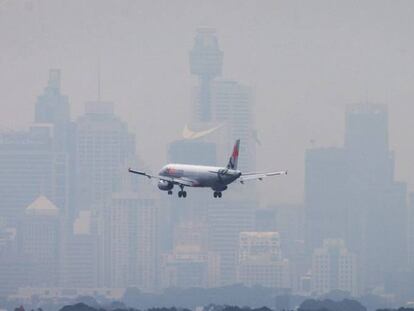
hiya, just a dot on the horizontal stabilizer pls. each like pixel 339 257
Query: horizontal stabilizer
pixel 259 176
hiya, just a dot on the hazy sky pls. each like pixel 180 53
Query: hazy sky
pixel 305 61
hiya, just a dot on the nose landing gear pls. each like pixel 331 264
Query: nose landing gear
pixel 217 194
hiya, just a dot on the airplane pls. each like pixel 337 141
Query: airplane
pixel 216 178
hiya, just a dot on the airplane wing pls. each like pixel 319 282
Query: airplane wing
pixel 177 181
pixel 259 176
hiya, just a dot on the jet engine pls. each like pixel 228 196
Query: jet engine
pixel 165 185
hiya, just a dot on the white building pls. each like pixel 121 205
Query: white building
pixel 334 268
pixel 260 260
pixel 29 167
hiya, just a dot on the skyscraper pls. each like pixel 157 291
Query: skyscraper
pixel 104 147
pixel 410 244
pixel 232 105
pixel 206 61
pixel 31 167
pixel 53 108
pixel 326 181
pixel 351 194
pixel 79 268
pixel 226 219
pixel 132 241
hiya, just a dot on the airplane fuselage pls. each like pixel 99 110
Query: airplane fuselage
pixel 213 177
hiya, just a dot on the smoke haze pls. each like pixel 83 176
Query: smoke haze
pixel 305 61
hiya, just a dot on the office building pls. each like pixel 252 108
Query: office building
pixel 351 194
pixel 226 218
pixel 53 108
pixel 79 265
pixel 30 167
pixel 132 241
pixel 260 260
pixel 334 268
pixel 206 60
pixel 39 238
pixel 232 104
pixel 104 146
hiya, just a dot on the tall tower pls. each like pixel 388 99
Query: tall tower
pixel 206 61
pixel 53 107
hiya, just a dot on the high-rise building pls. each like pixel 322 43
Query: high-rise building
pixel 132 241
pixel 334 268
pixel 79 265
pixel 206 61
pixel 410 235
pixel 351 194
pixel 104 146
pixel 289 221
pixel 222 102
pixel 260 260
pixel 13 269
pixel 326 175
pixel 39 243
pixel 31 167
pixel 232 104
pixel 53 108
pixel 226 218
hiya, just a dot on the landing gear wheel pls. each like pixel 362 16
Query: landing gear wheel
pixel 182 194
pixel 169 192
pixel 219 194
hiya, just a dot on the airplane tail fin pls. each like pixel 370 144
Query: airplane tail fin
pixel 234 156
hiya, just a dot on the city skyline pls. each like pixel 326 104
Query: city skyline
pixel 90 89
pixel 135 65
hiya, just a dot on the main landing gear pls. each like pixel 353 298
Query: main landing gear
pixel 217 194
pixel 182 193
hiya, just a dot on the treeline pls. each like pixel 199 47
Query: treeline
pixel 254 298
pixel 308 305
pixel 85 307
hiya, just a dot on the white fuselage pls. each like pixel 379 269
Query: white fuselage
pixel 213 177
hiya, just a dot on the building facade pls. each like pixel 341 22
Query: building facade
pixel 260 260
pixel 334 268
